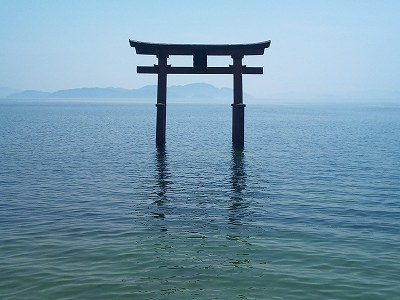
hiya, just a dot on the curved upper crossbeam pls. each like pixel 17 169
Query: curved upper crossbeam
pixel 194 49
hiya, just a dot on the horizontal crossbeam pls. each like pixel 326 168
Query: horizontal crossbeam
pixel 193 49
pixel 191 70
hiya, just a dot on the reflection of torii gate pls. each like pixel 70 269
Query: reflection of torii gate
pixel 200 53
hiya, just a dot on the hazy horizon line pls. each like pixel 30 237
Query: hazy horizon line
pixel 372 93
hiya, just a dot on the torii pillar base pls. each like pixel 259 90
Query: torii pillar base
pixel 238 125
pixel 161 125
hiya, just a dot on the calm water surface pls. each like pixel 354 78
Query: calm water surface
pixel 89 209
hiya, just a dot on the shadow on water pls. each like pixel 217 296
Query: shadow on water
pixel 162 180
pixel 237 207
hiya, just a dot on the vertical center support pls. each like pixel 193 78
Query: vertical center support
pixel 161 100
pixel 237 106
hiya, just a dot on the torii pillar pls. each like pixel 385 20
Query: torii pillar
pixel 161 100
pixel 200 53
pixel 237 106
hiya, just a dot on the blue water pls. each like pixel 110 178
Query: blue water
pixel 89 209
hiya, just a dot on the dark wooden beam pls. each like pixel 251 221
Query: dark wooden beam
pixel 200 59
pixel 207 70
pixel 193 49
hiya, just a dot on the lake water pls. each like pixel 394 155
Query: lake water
pixel 89 209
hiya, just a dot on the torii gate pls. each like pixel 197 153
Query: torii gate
pixel 200 53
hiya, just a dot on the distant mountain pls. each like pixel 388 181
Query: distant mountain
pixel 29 94
pixel 84 93
pixel 199 91
pixel 189 91
pixel 95 93
pixel 5 91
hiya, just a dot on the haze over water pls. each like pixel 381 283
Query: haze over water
pixel 90 209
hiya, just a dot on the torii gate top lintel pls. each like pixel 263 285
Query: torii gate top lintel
pixel 199 53
pixel 194 49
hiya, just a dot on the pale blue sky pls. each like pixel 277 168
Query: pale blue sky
pixel 337 46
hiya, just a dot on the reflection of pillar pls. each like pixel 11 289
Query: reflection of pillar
pixel 239 175
pixel 161 187
pixel 161 100
pixel 237 208
pixel 162 176
pixel 237 106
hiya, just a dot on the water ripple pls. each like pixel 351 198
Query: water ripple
pixel 90 209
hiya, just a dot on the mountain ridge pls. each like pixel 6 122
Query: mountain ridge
pixel 6 91
pixel 191 91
